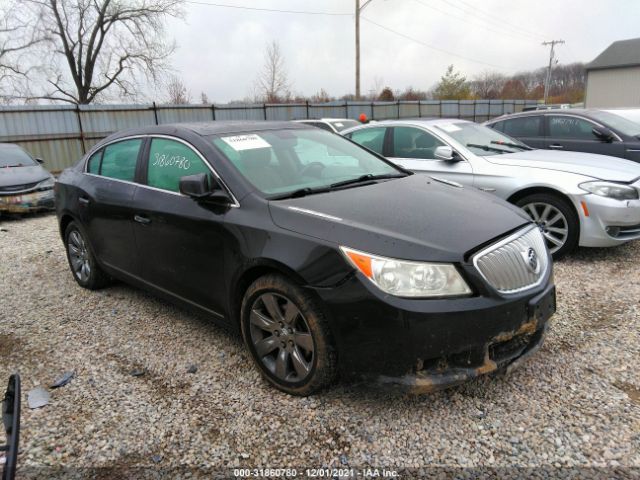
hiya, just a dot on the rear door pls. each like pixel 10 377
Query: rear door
pixel 105 204
pixel 414 149
pixel 372 138
pixel 180 241
pixel 528 129
pixel 572 133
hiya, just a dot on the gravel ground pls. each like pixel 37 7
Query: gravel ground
pixel 574 404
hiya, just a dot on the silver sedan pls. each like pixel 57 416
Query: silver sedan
pixel 575 198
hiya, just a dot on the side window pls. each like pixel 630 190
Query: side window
pixel 169 161
pixel 371 138
pixel 93 164
pixel 411 142
pixel 570 127
pixel 323 126
pixel 497 126
pixel 119 160
pixel 523 126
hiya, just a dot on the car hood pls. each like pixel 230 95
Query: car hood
pixel 22 175
pixel 413 218
pixel 602 167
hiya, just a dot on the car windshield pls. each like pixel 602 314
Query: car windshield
pixel 617 122
pixel 481 140
pixel 341 125
pixel 291 161
pixel 13 156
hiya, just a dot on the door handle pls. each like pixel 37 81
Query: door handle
pixel 142 219
pixel 83 200
pixel 556 146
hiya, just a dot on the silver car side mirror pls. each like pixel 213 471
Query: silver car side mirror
pixel 444 152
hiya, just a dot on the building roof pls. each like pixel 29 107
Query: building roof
pixel 623 53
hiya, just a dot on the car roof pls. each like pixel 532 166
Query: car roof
pixel 586 112
pixel 325 119
pixel 419 121
pixel 217 127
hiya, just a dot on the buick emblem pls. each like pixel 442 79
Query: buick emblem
pixel 531 260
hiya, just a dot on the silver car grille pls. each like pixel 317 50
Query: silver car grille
pixel 515 263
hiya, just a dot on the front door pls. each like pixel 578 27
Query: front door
pixel 180 242
pixel 575 134
pixel 414 149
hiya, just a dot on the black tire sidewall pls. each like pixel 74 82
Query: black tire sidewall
pixel 567 210
pixel 323 367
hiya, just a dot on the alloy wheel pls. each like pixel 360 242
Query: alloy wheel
pixel 281 337
pixel 79 256
pixel 552 223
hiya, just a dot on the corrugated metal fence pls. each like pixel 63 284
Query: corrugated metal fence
pixel 61 134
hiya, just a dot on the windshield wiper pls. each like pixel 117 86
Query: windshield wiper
pixel 509 144
pixel 488 148
pixel 365 178
pixel 301 192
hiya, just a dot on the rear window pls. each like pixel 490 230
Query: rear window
pixel 371 138
pixel 523 126
pixel 119 160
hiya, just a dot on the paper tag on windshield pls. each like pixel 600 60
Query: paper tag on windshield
pixel 449 127
pixel 246 142
pixel 338 124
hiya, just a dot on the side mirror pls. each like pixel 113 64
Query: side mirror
pixel 197 187
pixel 446 153
pixel 603 134
pixel 11 421
pixel 40 161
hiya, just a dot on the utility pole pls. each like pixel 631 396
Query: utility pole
pixel 359 9
pixel 552 56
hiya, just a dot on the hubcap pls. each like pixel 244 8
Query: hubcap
pixel 552 223
pixel 281 337
pixel 79 256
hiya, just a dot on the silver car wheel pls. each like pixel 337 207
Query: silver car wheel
pixel 552 222
pixel 79 256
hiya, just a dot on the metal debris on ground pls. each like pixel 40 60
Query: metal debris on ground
pixel 62 380
pixel 38 397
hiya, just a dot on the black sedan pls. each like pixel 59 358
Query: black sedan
pixel 578 130
pixel 326 257
pixel 24 185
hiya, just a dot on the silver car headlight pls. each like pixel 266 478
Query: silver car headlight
pixel 46 184
pixel 408 279
pixel 618 191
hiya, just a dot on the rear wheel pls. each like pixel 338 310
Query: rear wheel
pixel 556 219
pixel 82 262
pixel 288 336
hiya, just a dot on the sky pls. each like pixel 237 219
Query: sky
pixel 221 50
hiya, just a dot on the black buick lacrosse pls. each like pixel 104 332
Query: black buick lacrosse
pixel 328 259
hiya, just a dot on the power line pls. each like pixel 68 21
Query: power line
pixel 431 46
pixel 520 36
pixel 272 10
pixel 493 17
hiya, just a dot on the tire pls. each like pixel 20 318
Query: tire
pixel 82 262
pixel 554 206
pixel 288 337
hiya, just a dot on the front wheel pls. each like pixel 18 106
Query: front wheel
pixel 556 219
pixel 288 336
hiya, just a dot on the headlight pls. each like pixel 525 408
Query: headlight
pixel 618 191
pixel 408 279
pixel 46 184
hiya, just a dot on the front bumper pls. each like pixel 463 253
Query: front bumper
pixel 609 222
pixel 426 345
pixel 27 202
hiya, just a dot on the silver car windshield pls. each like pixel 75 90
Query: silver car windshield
pixel 482 140
pixel 13 156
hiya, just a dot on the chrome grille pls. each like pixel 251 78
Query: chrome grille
pixel 508 265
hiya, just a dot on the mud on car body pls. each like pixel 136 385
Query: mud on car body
pixel 24 185
pixel 327 258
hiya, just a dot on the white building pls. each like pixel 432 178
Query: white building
pixel 613 78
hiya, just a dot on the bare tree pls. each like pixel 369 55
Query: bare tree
pixel 487 85
pixel 204 99
pixel 17 36
pixel 272 82
pixel 177 93
pixel 102 45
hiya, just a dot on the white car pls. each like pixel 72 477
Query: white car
pixel 576 198
pixel 334 125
